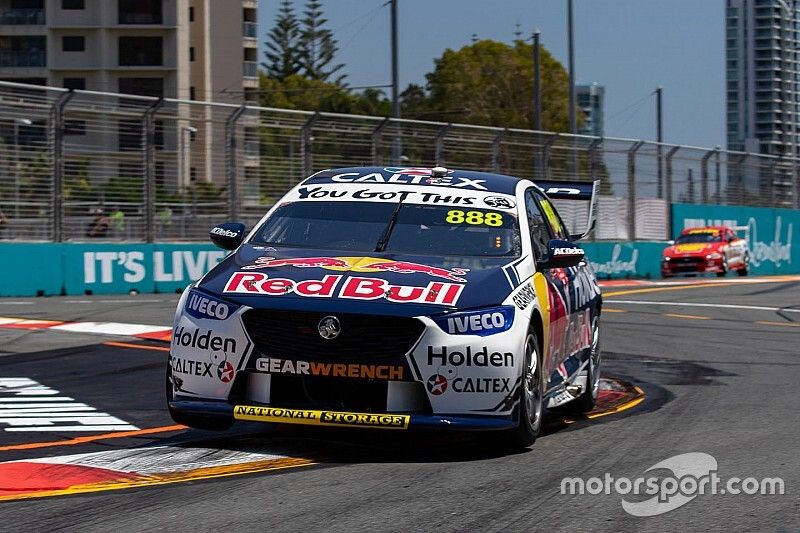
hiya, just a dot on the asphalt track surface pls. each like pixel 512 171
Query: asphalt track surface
pixel 718 378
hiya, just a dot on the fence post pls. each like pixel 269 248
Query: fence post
pixel 668 184
pixel 58 164
pixel 717 176
pixel 632 189
pixel 592 149
pixel 377 136
pixel 440 135
pixel 230 161
pixel 704 177
pixel 496 145
pixel 305 144
pixel 149 137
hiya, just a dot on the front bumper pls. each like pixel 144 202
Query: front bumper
pixel 254 412
pixel 690 265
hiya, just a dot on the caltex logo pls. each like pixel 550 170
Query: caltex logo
pixel 437 384
pixel 225 372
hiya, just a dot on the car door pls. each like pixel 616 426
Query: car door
pixel 541 232
pixel 734 248
pixel 572 288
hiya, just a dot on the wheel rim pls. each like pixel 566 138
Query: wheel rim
pixel 594 358
pixel 533 383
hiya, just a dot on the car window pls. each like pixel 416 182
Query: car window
pixel 695 237
pixel 539 231
pixel 551 215
pixel 418 229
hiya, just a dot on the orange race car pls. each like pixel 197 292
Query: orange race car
pixel 710 249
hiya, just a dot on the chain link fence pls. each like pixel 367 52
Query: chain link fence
pixel 83 165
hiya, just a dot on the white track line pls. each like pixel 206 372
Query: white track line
pixel 693 304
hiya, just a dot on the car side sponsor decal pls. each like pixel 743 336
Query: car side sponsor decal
pixel 320 418
pixel 354 288
pixel 523 298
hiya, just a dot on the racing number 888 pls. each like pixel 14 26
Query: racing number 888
pixel 475 218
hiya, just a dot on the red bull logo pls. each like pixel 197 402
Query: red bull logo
pixel 362 264
pixel 353 288
pixel 300 262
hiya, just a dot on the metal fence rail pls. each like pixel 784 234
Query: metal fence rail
pixel 81 165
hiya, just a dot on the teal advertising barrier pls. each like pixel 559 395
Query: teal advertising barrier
pixel 29 269
pixel 768 231
pixel 614 260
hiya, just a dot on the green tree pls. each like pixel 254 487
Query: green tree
pixel 317 48
pixel 491 83
pixel 281 47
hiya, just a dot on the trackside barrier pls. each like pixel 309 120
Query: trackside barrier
pixel 614 260
pixel 46 269
pixel 769 232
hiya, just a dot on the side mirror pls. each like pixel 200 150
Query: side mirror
pixel 562 254
pixel 227 236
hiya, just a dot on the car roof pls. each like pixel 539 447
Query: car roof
pixel 499 183
pixel 706 228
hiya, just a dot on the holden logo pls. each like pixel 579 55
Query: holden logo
pixel 329 327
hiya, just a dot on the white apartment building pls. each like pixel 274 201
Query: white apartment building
pixel 184 49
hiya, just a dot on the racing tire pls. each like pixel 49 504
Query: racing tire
pixel 723 269
pixel 588 398
pixel 530 410
pixel 745 268
pixel 206 422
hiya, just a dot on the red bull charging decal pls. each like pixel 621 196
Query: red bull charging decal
pixel 362 264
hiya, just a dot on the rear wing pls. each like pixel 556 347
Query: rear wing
pixel 575 190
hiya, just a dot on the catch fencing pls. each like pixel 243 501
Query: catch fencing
pixel 85 165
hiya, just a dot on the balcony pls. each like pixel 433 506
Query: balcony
pixel 22 58
pixel 22 17
pixel 250 69
pixel 250 30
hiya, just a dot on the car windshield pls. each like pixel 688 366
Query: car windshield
pixel 706 236
pixel 418 229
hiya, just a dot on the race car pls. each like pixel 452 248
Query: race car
pixel 394 298
pixel 714 249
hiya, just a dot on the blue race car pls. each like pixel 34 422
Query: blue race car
pixel 394 298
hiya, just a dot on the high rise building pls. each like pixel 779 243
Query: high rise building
pixel 183 49
pixel 762 81
pixel 591 100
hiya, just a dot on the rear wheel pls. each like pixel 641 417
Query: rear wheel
pixel 531 396
pixel 208 422
pixel 588 398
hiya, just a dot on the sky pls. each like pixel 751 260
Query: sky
pixel 630 46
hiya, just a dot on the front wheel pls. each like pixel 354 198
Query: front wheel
pixel 723 268
pixel 531 396
pixel 745 267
